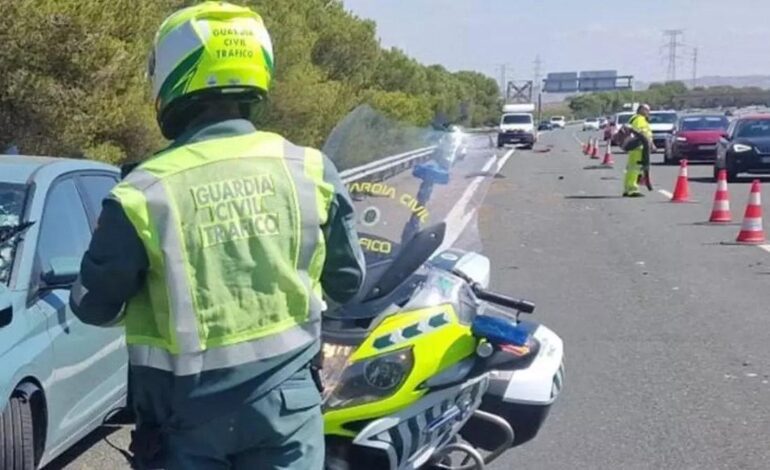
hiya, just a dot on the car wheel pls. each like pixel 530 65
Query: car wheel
pixel 732 175
pixel 17 443
pixel 716 173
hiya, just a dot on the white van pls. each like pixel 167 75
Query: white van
pixel 517 128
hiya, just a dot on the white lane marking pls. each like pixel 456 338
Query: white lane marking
pixel 577 139
pixel 458 217
pixel 665 193
pixel 764 247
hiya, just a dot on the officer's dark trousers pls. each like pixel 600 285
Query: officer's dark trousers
pixel 281 430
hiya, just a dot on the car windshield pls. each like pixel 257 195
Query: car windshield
pixel 557 118
pixel 703 123
pixel 754 128
pixel 11 209
pixel 662 118
pixel 517 119
pixel 592 120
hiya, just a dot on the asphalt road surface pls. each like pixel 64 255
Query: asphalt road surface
pixel 666 329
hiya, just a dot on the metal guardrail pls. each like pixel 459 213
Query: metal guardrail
pixel 386 167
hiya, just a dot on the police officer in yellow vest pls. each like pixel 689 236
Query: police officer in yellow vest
pixel 636 158
pixel 215 253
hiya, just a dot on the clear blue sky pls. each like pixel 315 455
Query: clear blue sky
pixel 732 36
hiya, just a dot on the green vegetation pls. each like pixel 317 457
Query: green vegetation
pixel 597 104
pixel 72 76
pixel 671 95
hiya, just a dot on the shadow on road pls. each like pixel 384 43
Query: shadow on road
pixel 115 422
pixel 83 446
pixel 597 167
pixel 712 224
pixel 689 163
pixel 701 179
pixel 739 180
pixel 749 179
pixel 591 196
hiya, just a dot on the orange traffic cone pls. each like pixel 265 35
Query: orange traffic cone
pixel 585 148
pixel 595 150
pixel 682 188
pixel 589 146
pixel 608 161
pixel 720 212
pixel 751 229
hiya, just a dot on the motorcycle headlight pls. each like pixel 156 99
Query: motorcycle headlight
pixel 371 379
pixel 741 148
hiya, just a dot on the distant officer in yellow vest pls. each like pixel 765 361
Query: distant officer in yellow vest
pixel 215 253
pixel 636 158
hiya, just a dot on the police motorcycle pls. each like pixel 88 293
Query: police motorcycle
pixel 427 367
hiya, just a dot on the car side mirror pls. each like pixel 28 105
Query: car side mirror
pixel 61 272
pixel 725 136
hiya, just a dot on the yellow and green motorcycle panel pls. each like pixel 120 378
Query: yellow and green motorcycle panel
pixel 438 341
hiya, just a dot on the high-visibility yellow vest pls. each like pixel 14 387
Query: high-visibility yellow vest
pixel 640 123
pixel 232 230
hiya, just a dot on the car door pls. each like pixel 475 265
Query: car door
pixel 89 363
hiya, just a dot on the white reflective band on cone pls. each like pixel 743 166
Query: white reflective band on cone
pixel 752 224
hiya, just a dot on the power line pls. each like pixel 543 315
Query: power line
pixel 503 79
pixel 672 45
pixel 694 67
pixel 538 68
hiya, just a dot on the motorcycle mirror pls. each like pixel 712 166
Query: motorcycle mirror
pixel 412 255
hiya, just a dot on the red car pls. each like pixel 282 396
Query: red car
pixel 695 138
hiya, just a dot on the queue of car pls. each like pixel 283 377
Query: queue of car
pixel 737 144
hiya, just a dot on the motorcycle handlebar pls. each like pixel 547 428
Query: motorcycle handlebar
pixel 522 306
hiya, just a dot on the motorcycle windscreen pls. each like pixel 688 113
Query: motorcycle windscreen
pixel 403 178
